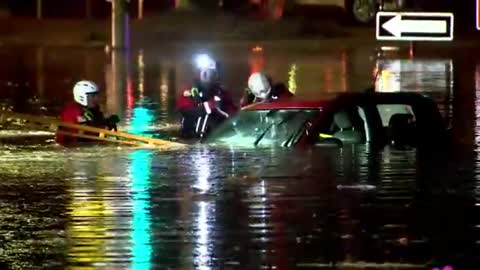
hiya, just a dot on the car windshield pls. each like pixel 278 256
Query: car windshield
pixel 262 127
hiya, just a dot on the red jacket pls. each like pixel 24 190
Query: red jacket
pixel 185 103
pixel 71 113
pixel 77 114
pixel 226 101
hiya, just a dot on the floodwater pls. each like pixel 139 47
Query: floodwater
pixel 111 207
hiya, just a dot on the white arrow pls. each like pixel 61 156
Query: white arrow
pixel 397 26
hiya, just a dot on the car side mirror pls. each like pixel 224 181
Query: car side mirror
pixel 329 142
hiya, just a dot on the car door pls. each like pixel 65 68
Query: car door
pixel 404 119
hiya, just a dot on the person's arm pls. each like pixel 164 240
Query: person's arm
pixel 96 118
pixel 247 98
pixel 93 117
pixel 228 104
pixel 112 121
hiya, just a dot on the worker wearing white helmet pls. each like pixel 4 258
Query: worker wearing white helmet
pixel 261 88
pixel 84 110
pixel 85 92
pixel 205 103
pixel 259 85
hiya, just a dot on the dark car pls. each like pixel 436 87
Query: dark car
pixel 379 118
pixel 359 11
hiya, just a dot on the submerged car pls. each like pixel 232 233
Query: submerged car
pixel 351 118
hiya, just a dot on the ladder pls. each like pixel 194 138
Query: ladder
pixel 52 124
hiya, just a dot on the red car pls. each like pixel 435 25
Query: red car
pixel 379 118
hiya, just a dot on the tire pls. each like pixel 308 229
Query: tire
pixel 361 12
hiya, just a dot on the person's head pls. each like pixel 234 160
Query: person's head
pixel 206 69
pixel 260 85
pixel 85 93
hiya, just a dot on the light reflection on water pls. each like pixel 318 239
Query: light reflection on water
pixel 208 208
pixel 476 190
pixel 202 255
pixel 119 201
pixel 201 164
pixel 141 221
pixel 417 75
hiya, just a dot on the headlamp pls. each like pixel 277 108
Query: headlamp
pixel 203 61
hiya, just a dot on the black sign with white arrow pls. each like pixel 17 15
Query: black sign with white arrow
pixel 412 26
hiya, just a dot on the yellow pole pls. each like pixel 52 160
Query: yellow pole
pixel 140 9
pixel 118 84
pixel 119 24
pixel 141 74
pixel 39 9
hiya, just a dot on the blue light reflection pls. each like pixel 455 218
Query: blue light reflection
pixel 141 224
pixel 142 119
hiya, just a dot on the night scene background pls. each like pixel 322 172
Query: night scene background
pixel 272 202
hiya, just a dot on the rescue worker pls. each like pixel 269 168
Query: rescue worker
pixel 84 110
pixel 261 88
pixel 206 104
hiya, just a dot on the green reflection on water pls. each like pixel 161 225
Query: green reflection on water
pixel 141 224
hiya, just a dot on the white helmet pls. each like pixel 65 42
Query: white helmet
pixel 259 84
pixel 82 89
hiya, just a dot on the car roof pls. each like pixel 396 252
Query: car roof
pixel 298 103
pixel 287 104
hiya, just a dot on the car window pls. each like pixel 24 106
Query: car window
pixel 262 127
pixel 347 124
pixel 386 112
pixel 400 122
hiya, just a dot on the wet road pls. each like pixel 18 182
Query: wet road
pixel 204 208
